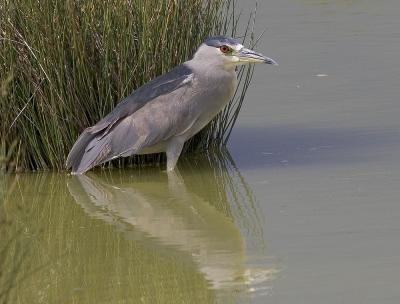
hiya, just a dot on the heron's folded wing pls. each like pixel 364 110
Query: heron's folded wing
pixel 149 127
pixel 177 78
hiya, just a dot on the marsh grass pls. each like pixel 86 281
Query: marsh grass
pixel 66 64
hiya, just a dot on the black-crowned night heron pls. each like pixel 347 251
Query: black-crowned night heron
pixel 168 110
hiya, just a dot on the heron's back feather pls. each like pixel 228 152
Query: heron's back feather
pixel 161 85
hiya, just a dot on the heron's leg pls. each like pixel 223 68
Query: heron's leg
pixel 174 149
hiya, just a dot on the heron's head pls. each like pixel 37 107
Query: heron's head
pixel 228 52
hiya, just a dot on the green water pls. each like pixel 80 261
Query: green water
pixel 137 236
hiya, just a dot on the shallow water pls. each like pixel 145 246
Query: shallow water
pixel 306 211
pixel 318 141
pixel 196 235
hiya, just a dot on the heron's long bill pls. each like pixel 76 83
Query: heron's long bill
pixel 246 55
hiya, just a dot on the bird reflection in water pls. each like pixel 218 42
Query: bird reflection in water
pixel 204 213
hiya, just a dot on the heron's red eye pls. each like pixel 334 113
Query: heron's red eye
pixel 224 49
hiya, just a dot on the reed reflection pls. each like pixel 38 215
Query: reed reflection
pixel 205 214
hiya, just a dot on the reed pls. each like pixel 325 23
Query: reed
pixel 66 64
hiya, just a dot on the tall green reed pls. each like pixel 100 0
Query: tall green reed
pixel 65 64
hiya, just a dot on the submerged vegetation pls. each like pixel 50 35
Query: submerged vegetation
pixel 65 64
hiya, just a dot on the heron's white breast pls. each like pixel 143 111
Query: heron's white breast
pixel 213 91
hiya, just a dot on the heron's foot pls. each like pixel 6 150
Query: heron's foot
pixel 170 167
pixel 175 182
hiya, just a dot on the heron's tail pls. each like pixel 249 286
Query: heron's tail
pixel 85 154
pixel 95 147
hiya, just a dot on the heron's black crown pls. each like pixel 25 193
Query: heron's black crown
pixel 218 41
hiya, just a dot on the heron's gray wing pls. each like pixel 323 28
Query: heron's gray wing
pixel 160 85
pixel 92 136
pixel 150 126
